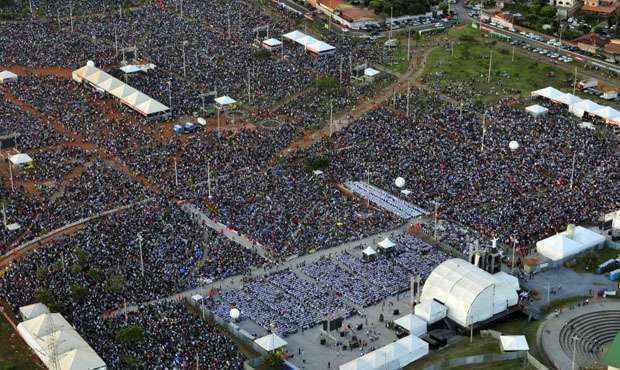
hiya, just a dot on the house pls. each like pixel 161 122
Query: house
pixel 612 50
pixel 603 8
pixel 565 8
pixel 591 43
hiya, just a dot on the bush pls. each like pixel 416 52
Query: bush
pixel 115 284
pixel 317 163
pixel 130 335
pixel 131 362
pixel 326 83
pixel 75 269
pixel 262 54
pixel 95 274
pixel 78 292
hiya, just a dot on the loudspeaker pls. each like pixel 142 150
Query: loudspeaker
pixel 396 312
pixel 342 334
pixel 323 341
pixel 359 326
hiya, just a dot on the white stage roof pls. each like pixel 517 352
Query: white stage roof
pixel 370 72
pixel 270 342
pixel 369 251
pixel 607 113
pixel 20 159
pixel 412 323
pixel 130 68
pixel 561 245
pixel 6 76
pixel 225 100
pixel 309 42
pixel 394 356
pixel 469 293
pixel 584 106
pixel 569 99
pixel 536 110
pixel 127 94
pixel 514 343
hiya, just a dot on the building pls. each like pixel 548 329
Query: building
pixel 569 243
pixel 612 50
pixel 470 294
pixel 565 8
pixel 591 43
pixel 603 8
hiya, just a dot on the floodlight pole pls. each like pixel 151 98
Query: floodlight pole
pixel 490 63
pixel 11 174
pixel 184 64
pixel 408 93
pixel 58 16
pixel 176 173
pixel 71 15
pixel 340 78
pixel 484 131
pixel 169 93
pixel 331 118
pixel 218 121
pixel 513 53
pixel 575 82
pixel 115 42
pixel 514 247
pixel 141 257
pixel 209 178
pixel 436 210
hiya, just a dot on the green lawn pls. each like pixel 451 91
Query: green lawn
pixel 14 353
pixel 470 63
pixel 589 261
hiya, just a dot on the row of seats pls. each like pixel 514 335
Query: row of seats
pixel 594 330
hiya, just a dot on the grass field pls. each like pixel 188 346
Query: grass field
pixel 14 353
pixel 470 62
pixel 589 261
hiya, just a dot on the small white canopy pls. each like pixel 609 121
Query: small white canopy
pixel 33 310
pixel 536 110
pixel 270 342
pixel 430 310
pixel 317 172
pixel 569 99
pixel 320 47
pixel 225 100
pixel 386 244
pixel 415 325
pixel 294 36
pixel 272 43
pixel 395 355
pixel 587 125
pixel 130 68
pixel 370 72
pixel 369 251
pixel 197 298
pixel 20 159
pixel 514 343
pixel 584 106
pixel 550 93
pixel 405 192
pixel 6 76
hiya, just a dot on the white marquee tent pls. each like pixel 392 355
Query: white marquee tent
pixel 536 110
pixel 369 251
pixel 607 113
pixel 225 100
pixel 584 106
pixel 469 293
pixel 20 159
pixel 386 244
pixel 129 96
pixel 568 243
pixel 309 43
pixel 430 310
pixel 569 99
pixel 33 310
pixel 415 325
pixel 394 356
pixel 7 76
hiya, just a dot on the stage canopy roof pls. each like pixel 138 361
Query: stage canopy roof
pixel 430 310
pixel 370 72
pixel 584 106
pixel 369 251
pixel 536 110
pixel 386 244
pixel 272 42
pixel 20 159
pixel 413 324
pixel 562 245
pixel 550 93
pixel 33 310
pixel 225 100
pixel 514 343
pixel 7 76
pixel 135 99
pixel 309 42
pixel 569 99
pixel 395 355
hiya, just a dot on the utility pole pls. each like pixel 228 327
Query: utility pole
pixel 340 78
pixel 184 64
pixel 11 174
pixel 575 82
pixel 436 211
pixel 408 94
pixel 572 172
pixel 409 43
pixel 484 131
pixel 176 174
pixel 209 178
pixel 71 15
pixel 331 118
pixel 490 63
pixel 514 247
pixel 169 94
pixel 513 53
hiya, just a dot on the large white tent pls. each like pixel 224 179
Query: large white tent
pixel 20 159
pixel 7 76
pixel 469 293
pixel 430 310
pixel 549 92
pixel 33 310
pixel 394 356
pixel 584 106
pixel 569 99
pixel 513 343
pixel 129 96
pixel 606 113
pixel 415 325
pixel 569 243
pixel 309 43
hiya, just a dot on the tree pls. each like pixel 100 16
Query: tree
pixel 130 335
pixel 115 284
pixel 78 292
pixel 547 11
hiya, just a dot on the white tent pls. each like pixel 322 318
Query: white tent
pixel 321 47
pixel 270 342
pixel 197 298
pixel 33 310
pixel 7 76
pixel 413 324
pixel 536 110
pixel 505 278
pixel 294 36
pixel 430 310
pixel 550 93
pixel 369 251
pixel 129 96
pixel 584 106
pixel 309 42
pixel 272 43
pixel 44 324
pixel 130 68
pixel 568 243
pixel 394 356
pixel 370 72
pixel 20 159
pixel 514 343
pixel 80 359
pixel 225 100
pixel 606 113
pixel 469 293
pixel 386 244
pixel 569 99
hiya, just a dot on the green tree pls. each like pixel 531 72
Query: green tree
pixel 115 284
pixel 547 11
pixel 78 292
pixel 130 335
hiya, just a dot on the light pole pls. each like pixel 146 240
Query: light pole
pixel 574 339
pixel 572 172
pixel 170 95
pixel 141 257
